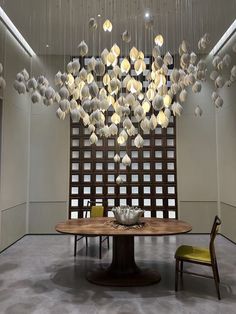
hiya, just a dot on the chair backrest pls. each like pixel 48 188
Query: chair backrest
pixel 214 230
pixel 97 209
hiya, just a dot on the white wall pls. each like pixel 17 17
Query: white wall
pixel 49 165
pixel 196 161
pixel 226 139
pixel 14 144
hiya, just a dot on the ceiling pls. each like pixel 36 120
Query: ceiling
pixel 62 24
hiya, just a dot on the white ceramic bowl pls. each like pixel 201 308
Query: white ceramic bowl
pixel 126 215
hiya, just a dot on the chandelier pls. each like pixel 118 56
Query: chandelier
pixel 87 92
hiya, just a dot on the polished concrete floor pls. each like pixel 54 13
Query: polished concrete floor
pixel 39 274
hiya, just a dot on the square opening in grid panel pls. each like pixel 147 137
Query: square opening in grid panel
pixel 111 178
pixel 170 142
pixel 75 143
pixel 110 166
pixel 134 166
pixel 146 178
pixel 99 177
pixel 75 154
pixel 87 166
pixel 134 190
pixel 110 154
pixel 170 166
pixel 74 203
pixel 134 178
pixel 135 202
pixel 111 142
pixel 147 202
pixel 170 178
pixel 159 189
pixel 74 190
pixel 147 190
pixel 134 154
pixel 87 190
pixel 75 178
pixel 158 165
pixel 122 167
pixel 75 131
pixel 99 190
pixel 171 190
pixel 87 178
pixel 111 190
pixel 158 142
pixel 158 178
pixel 87 154
pixel 99 142
pixel 99 154
pixel 158 154
pixel 146 166
pixel 75 166
pixel 170 154
pixel 146 142
pixel 159 202
pixel 86 131
pixel 74 215
pixel 146 154
pixel 86 201
pixel 111 202
pixel 171 202
pixel 159 214
pixel 170 131
pixel 172 214
pixel 87 143
pixel 158 130
pixel 123 202
pixel 123 190
pixel 147 213
pixel 99 166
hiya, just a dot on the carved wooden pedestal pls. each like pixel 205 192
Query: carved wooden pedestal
pixel 123 270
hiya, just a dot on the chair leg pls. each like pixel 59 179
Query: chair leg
pixel 176 274
pixel 181 269
pixel 214 269
pixel 108 244
pixel 86 245
pixel 100 247
pixel 75 245
pixel 217 271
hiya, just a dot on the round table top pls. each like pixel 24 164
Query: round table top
pixel 105 226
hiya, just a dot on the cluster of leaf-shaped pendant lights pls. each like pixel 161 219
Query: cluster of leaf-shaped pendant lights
pixel 87 93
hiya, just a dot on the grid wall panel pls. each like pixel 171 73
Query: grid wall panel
pixel 150 181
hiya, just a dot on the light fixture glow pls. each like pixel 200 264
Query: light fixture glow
pixel 11 27
pixel 147 14
pixel 223 40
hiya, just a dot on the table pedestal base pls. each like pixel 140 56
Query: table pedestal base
pixel 123 270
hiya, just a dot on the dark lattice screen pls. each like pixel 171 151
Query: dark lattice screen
pixel 149 183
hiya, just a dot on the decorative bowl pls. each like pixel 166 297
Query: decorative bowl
pixel 126 215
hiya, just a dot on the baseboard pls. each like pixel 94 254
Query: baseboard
pixel 60 234
pixel 227 238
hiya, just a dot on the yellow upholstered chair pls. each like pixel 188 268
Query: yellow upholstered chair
pixel 199 255
pixel 95 211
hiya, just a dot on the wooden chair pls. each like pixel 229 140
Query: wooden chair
pixel 199 255
pixel 95 211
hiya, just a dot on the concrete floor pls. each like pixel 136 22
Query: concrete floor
pixel 39 274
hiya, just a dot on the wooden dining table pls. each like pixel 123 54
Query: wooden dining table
pixel 123 270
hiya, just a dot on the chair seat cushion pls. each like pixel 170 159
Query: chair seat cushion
pixel 192 253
